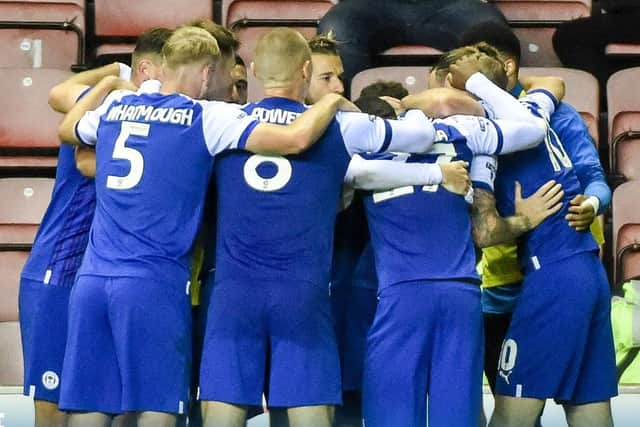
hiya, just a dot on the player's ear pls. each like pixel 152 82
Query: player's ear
pixel 511 68
pixel 253 69
pixel 307 70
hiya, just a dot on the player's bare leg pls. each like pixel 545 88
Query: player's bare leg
pixel 311 416
pixel 515 411
pixel 155 419
pixel 89 419
pixel 589 415
pixel 48 415
pixel 220 414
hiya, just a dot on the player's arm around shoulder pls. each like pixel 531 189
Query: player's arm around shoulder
pixel 91 101
pixel 302 133
pixel 64 95
pixel 443 102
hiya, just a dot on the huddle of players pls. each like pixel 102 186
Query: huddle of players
pixel 268 318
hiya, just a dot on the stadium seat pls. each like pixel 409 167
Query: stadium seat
pixel 623 99
pixel 29 127
pixel 25 201
pixel 622 50
pixel 534 22
pixel 11 263
pixel 44 33
pixel 252 18
pixel 413 78
pixel 626 231
pixel 409 54
pixel 583 92
pixel 119 22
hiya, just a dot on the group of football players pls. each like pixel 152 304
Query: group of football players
pixel 166 179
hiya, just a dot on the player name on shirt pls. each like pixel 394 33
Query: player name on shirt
pixel 277 115
pixel 147 113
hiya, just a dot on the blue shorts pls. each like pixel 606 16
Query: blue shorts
pixel 43 326
pixel 128 346
pixel 354 309
pixel 426 340
pixel 288 324
pixel 559 344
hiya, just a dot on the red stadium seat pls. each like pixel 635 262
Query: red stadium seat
pixel 252 18
pixel 44 33
pixel 583 92
pixel 623 99
pixel 119 22
pixel 11 263
pixel 29 127
pixel 622 49
pixel 413 78
pixel 534 22
pixel 126 18
pixel 25 201
pixel 626 231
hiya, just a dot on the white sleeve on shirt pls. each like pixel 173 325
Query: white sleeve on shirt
pixel 87 127
pixel 503 104
pixel 483 171
pixel 485 136
pixel 225 126
pixel 362 133
pixel 541 101
pixel 373 174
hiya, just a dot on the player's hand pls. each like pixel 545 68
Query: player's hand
pixel 395 103
pixel 580 215
pixel 461 70
pixel 546 201
pixel 455 177
pixel 345 105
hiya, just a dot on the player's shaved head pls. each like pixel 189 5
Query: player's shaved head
pixel 189 45
pixel 280 56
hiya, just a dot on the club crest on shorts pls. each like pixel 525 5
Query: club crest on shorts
pixel 508 355
pixel 50 380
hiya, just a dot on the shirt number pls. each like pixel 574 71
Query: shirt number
pixel 121 151
pixel 275 183
pixel 446 153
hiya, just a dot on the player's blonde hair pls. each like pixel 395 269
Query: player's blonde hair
pixel 280 54
pixel 189 45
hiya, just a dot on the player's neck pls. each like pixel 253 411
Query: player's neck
pixel 288 92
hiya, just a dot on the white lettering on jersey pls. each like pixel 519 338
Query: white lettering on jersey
pixel 275 183
pixel 176 116
pixel 276 115
pixel 121 151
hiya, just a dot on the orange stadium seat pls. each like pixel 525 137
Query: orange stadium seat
pixel 44 33
pixel 534 22
pixel 11 263
pixel 626 231
pixel 583 92
pixel 28 130
pixel 413 78
pixel 252 18
pixel 25 201
pixel 623 99
pixel 118 22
